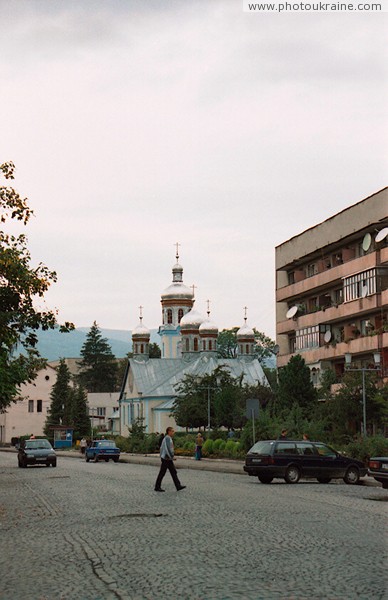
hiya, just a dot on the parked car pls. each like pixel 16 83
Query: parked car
pixel 36 452
pixel 378 468
pixel 102 450
pixel 292 459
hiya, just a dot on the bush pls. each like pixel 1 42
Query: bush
pixel 216 444
pixel 230 448
pixel 217 434
pixel 364 448
pixel 207 448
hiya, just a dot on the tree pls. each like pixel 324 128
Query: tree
pixel 296 388
pixel 154 350
pixel 80 420
pixel 20 285
pixel 191 406
pixel 60 411
pixel 227 346
pixel 98 367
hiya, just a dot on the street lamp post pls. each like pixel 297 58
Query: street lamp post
pixel 363 370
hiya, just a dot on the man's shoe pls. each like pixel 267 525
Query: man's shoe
pixel 159 490
pixel 181 487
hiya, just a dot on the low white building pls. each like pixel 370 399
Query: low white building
pixel 28 414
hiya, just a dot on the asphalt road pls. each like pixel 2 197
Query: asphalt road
pixel 90 531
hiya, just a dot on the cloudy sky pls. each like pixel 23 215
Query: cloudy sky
pixel 135 124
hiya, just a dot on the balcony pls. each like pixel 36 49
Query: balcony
pixel 320 280
pixel 336 313
pixel 331 352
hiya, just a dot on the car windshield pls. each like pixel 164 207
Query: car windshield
pixel 106 444
pixel 261 448
pixel 38 445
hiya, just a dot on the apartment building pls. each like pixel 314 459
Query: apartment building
pixel 332 290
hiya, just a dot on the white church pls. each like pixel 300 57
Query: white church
pixel 188 346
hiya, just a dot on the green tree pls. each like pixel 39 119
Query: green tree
pixel 60 411
pixel 20 285
pixel 227 346
pixel 296 388
pixel 154 350
pixel 80 413
pixel 98 367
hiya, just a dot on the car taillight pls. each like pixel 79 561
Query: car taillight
pixel 374 464
pixel 271 460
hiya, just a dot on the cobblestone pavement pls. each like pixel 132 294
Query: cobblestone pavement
pixel 90 531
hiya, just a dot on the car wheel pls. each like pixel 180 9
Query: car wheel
pixel 292 474
pixel 352 476
pixel 265 478
pixel 24 463
pixel 54 463
pixel 116 459
pixel 324 479
pixel 106 459
pixel 87 458
pixel 385 485
pixel 19 464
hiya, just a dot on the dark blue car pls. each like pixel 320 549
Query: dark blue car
pixel 102 450
pixel 292 459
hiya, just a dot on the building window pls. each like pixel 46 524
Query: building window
pixel 291 278
pixel 30 406
pixel 247 349
pixel 311 270
pixel 39 405
pixel 187 345
pixel 195 345
pixel 360 285
pixel 142 349
pixel 203 345
pixel 210 345
pixel 101 411
pixel 169 316
pixel 180 314
pixel 308 337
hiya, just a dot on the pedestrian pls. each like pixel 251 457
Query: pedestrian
pixel 283 435
pixel 167 458
pixel 198 446
pixel 83 443
pixel 306 437
pixel 32 437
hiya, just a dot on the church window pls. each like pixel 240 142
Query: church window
pixel 169 316
pixel 210 345
pixel 241 349
pixel 187 344
pixel 203 345
pixel 195 344
pixel 142 349
pixel 180 314
pixel 247 348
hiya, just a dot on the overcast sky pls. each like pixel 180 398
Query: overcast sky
pixel 135 124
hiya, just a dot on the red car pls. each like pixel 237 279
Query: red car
pixel 378 468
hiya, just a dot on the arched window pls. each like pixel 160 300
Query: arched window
pixel 195 344
pixel 247 349
pixel 180 314
pixel 241 349
pixel 142 349
pixel 210 345
pixel 203 345
pixel 169 316
pixel 187 344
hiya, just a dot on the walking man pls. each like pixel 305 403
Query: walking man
pixel 167 458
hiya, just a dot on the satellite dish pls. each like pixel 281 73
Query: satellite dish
pixel 276 349
pixel 366 242
pixel 292 312
pixel 327 336
pixel 381 235
pixel 364 291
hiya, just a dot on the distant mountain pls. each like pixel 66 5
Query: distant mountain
pixel 53 345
